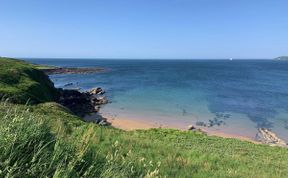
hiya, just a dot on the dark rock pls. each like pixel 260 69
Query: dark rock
pixel 98 100
pixel 103 123
pixel 79 70
pixel 98 120
pixel 82 103
pixel 191 127
pixel 101 100
pixel 68 84
pixel 97 108
pixel 97 91
pixel 200 123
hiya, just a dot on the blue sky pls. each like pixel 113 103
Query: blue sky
pixel 144 28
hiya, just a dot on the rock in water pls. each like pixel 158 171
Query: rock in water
pixel 68 84
pixel 97 91
pixel 102 100
pixel 266 136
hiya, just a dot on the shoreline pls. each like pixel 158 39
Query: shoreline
pixel 128 124
pixel 139 124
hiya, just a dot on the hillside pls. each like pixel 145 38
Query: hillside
pixel 23 82
pixel 46 140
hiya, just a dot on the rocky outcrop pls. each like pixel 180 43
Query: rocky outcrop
pixel 80 70
pixel 97 91
pixel 268 137
pixel 98 100
pixel 82 103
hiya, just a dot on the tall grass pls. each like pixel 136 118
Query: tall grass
pixel 29 149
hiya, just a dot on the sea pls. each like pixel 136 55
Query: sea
pixel 234 97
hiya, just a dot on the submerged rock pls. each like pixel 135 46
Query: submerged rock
pixel 201 123
pixel 68 84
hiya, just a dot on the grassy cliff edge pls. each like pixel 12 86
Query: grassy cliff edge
pixel 22 82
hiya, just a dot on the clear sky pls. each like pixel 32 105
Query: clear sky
pixel 144 28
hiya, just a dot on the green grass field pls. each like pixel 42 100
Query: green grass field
pixel 43 139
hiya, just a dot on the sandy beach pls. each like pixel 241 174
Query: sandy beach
pixel 138 124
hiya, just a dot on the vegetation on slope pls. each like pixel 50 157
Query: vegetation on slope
pixel 46 140
pixel 23 82
pixel 30 148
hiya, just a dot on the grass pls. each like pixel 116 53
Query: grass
pixel 23 82
pixel 42 67
pixel 30 148
pixel 46 140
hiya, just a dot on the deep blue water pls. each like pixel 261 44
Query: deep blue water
pixel 238 95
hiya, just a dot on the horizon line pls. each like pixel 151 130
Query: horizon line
pixel 120 58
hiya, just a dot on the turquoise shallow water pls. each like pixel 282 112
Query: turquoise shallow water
pixel 236 97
